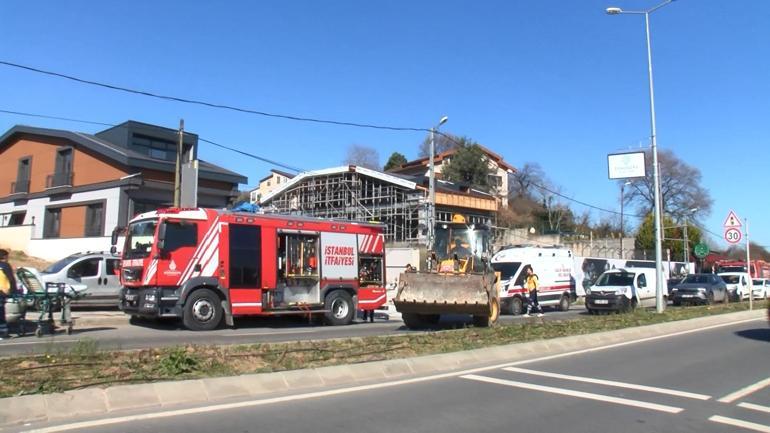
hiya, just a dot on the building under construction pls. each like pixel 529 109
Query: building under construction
pixel 398 201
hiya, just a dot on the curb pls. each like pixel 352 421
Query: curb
pixel 160 395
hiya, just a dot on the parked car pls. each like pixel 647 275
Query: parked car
pixel 760 288
pixel 700 289
pixel 737 284
pixel 95 270
pixel 622 290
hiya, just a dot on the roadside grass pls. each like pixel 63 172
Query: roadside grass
pixel 85 365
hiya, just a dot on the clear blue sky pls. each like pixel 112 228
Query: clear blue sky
pixel 560 83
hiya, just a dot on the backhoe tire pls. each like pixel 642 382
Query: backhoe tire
pixel 414 320
pixel 491 319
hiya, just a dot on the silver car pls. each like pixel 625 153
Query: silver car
pixel 95 270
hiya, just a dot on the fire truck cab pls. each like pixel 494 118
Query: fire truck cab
pixel 205 266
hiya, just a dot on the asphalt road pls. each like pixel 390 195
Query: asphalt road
pixel 247 331
pixel 710 380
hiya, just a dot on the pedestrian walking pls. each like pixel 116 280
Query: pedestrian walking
pixel 531 285
pixel 7 287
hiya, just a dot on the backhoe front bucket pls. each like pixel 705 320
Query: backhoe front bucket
pixel 430 293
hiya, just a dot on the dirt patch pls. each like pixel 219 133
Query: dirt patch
pixel 19 259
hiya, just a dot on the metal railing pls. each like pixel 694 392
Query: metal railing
pixel 20 187
pixel 59 179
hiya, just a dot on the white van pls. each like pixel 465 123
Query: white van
pixel 553 267
pixel 737 284
pixel 623 290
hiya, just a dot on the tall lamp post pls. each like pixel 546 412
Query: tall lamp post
pixel 655 171
pixel 432 186
pixel 622 232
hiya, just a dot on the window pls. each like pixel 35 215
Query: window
pixel 154 147
pixel 245 256
pixel 17 218
pixel 95 219
pixel 112 264
pixel 52 223
pixel 63 174
pixel 139 239
pixel 22 176
pixel 642 281
pixel 85 268
pixel 180 234
pixel 496 181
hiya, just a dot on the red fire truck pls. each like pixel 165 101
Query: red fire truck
pixel 759 268
pixel 206 265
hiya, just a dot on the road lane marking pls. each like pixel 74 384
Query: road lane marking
pixel 578 394
pixel 219 407
pixel 740 423
pixel 743 392
pixel 611 383
pixel 756 407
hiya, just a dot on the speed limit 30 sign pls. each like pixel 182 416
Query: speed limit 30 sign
pixel 733 235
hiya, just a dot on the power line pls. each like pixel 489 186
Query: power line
pixel 91 122
pixel 209 104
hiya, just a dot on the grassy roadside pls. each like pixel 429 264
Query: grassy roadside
pixel 86 365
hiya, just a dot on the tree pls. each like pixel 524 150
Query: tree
pixel 443 143
pixel 673 236
pixel 524 180
pixel 362 156
pixel 469 166
pixel 680 188
pixel 396 160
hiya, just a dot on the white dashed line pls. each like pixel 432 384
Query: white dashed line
pixel 578 394
pixel 729 398
pixel 611 383
pixel 740 423
pixel 756 407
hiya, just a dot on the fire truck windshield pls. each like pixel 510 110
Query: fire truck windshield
pixel 139 239
pixel 464 241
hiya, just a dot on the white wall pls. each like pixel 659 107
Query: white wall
pixel 36 208
pixel 55 249
pixel 15 237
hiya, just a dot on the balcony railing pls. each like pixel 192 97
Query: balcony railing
pixel 20 187
pixel 59 179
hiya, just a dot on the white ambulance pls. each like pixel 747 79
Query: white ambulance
pixel 553 266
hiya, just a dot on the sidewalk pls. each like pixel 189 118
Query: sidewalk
pixel 161 395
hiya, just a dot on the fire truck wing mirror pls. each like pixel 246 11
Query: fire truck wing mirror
pixel 114 240
pixel 162 236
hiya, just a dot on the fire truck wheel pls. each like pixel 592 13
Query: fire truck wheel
pixel 339 306
pixel 202 311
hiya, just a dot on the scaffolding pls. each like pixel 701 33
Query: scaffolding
pixel 357 197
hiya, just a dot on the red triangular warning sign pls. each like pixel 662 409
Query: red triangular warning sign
pixel 732 221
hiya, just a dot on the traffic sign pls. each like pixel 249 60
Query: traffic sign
pixel 701 250
pixel 732 221
pixel 733 235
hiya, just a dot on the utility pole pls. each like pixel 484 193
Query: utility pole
pixel 686 249
pixel 748 267
pixel 178 172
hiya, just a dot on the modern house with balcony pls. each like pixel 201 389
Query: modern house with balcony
pixel 64 191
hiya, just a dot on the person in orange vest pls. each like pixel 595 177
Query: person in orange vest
pixel 531 285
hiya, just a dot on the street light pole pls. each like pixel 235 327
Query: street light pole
pixel 622 232
pixel 660 306
pixel 432 186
